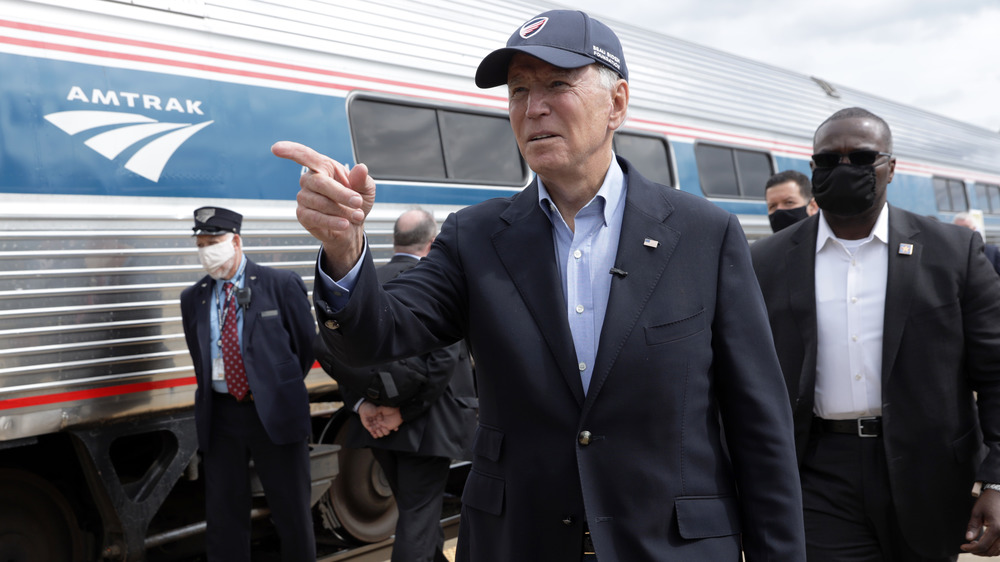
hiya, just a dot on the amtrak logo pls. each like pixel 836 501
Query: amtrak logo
pixel 131 130
pixel 533 27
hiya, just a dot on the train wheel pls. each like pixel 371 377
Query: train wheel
pixel 360 495
pixel 36 521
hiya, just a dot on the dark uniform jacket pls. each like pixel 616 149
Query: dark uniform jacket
pixel 278 330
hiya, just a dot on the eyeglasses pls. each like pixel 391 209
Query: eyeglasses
pixel 857 158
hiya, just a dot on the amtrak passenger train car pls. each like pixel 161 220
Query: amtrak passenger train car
pixel 119 117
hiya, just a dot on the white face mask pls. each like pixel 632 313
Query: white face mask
pixel 217 257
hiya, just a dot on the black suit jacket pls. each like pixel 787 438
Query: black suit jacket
pixel 684 350
pixel 440 420
pixel 278 330
pixel 941 342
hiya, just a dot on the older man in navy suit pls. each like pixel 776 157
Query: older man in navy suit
pixel 616 324
pixel 249 331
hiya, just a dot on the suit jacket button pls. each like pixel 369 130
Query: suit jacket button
pixel 584 438
pixel 332 324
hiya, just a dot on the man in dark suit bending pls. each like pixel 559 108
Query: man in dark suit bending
pixel 414 442
pixel 616 324
pixel 886 325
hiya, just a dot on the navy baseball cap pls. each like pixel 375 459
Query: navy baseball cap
pixel 216 220
pixel 563 38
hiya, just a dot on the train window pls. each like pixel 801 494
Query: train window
pixel 950 195
pixel 649 155
pixel 732 172
pixel 427 143
pixel 988 198
pixel 753 169
pixel 480 148
pixel 397 141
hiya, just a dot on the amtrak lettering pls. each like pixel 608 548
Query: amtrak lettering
pixel 132 99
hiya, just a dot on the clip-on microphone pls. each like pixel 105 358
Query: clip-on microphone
pixel 243 297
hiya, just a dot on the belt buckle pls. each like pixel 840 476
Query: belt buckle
pixel 861 430
pixel 588 543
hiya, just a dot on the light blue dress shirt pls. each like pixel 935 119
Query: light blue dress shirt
pixel 585 256
pixel 218 312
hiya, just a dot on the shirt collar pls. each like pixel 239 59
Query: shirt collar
pixel 880 231
pixel 609 195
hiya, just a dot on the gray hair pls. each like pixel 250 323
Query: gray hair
pixel 418 234
pixel 609 78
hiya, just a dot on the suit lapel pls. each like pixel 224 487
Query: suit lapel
pixel 202 303
pixel 646 209
pixel 249 318
pixel 527 251
pixel 800 268
pixel 902 272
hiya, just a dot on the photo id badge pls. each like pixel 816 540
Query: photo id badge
pixel 218 369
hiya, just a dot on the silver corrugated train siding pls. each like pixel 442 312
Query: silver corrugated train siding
pixel 672 80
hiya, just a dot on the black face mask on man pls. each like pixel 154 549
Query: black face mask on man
pixel 781 219
pixel 844 190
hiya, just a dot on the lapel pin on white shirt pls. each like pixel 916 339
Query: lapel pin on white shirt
pixel 906 249
pixel 651 243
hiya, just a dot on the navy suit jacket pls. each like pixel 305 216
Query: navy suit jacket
pixel 941 342
pixel 440 420
pixel 993 254
pixel 684 351
pixel 278 330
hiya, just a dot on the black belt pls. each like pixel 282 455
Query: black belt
pixel 870 426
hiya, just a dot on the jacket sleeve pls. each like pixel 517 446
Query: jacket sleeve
pixel 755 410
pixel 441 364
pixel 980 303
pixel 298 320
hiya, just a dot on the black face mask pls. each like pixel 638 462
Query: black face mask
pixel 844 190
pixel 783 218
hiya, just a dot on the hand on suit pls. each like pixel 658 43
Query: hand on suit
pixel 986 518
pixel 333 202
pixel 379 420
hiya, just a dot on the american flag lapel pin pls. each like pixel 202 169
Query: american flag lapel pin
pixel 650 242
pixel 906 249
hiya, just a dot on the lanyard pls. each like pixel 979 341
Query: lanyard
pixel 222 300
pixel 222 306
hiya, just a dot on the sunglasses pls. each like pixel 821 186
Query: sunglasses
pixel 857 158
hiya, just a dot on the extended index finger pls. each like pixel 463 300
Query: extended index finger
pixel 303 155
pixel 311 159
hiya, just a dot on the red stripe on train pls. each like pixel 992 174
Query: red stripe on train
pixel 103 392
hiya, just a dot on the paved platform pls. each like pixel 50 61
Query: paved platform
pixel 449 551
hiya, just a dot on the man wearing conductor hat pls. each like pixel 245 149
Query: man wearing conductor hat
pixel 631 403
pixel 249 331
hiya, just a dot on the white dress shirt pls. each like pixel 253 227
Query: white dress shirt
pixel 851 277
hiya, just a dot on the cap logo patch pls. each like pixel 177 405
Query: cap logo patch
pixel 532 27
pixel 202 215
